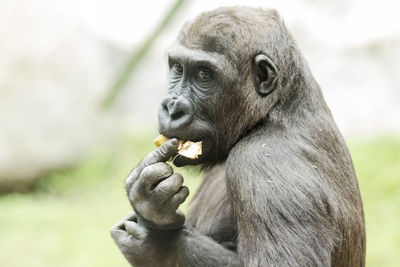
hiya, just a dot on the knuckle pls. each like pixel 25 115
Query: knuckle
pixel 131 178
pixel 178 199
pixel 165 188
pixel 155 172
pixel 147 160
pixel 132 198
pixel 178 178
pixel 185 191
pixel 164 168
pixel 135 197
pixel 147 171
pixel 169 186
pixel 163 150
pixel 136 203
pixel 167 148
pixel 114 233
pixel 141 207
pixel 157 169
pixel 132 192
pixel 128 183
pixel 181 196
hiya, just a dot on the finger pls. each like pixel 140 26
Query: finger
pixel 130 217
pixel 169 186
pixel 133 176
pixel 119 224
pixel 154 174
pixel 118 232
pixel 180 214
pixel 135 230
pixel 177 199
pixel 161 154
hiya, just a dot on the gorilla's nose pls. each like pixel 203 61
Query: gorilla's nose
pixel 175 112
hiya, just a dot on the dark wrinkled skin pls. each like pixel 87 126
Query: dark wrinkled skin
pixel 279 187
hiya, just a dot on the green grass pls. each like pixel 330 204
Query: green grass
pixel 378 169
pixel 66 221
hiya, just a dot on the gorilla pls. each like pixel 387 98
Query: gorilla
pixel 279 187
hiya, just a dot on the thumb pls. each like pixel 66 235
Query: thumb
pixel 161 154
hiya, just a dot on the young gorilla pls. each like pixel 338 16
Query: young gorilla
pixel 279 187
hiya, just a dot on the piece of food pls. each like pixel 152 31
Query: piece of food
pixel 161 139
pixel 188 149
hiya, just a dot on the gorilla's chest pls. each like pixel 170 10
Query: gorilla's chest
pixel 210 211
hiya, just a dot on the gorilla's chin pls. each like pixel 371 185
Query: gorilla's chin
pixel 180 161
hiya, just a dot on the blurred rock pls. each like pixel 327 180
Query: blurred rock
pixel 53 75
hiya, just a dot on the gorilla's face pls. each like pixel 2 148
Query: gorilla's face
pixel 215 95
pixel 188 112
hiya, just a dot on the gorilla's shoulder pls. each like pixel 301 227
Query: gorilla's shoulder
pixel 272 153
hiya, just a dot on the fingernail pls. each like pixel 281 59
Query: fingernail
pixel 174 141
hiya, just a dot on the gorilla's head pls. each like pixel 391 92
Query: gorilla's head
pixel 226 74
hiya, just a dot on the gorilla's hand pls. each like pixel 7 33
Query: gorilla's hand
pixel 131 239
pixel 156 192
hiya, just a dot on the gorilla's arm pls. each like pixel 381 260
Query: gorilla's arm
pixel 280 203
pixel 195 249
pixel 155 234
pixel 179 247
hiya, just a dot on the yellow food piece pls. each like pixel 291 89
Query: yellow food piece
pixel 161 139
pixel 188 149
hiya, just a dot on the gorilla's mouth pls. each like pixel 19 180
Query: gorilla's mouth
pixel 197 131
pixel 182 135
pixel 180 160
pixel 183 138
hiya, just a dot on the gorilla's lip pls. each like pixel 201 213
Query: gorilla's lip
pixel 181 161
pixel 197 131
pixel 183 137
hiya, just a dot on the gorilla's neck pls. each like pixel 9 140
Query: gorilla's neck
pixel 300 97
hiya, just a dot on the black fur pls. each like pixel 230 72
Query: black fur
pixel 279 187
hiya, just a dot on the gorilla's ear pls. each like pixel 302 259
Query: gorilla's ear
pixel 266 74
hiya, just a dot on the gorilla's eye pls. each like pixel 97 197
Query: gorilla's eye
pixel 177 68
pixel 204 74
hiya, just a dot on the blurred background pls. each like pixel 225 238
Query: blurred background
pixel 80 85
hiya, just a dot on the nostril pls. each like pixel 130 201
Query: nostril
pixel 180 108
pixel 176 112
pixel 164 107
